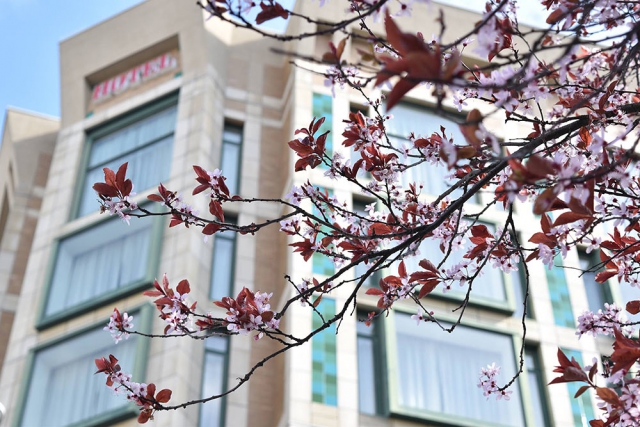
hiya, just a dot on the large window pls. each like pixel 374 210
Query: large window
pixel 101 263
pixel 231 156
pixel 488 286
pixel 224 256
pixel 214 381
pixel 434 374
pixel 409 118
pixel 368 367
pixel 62 389
pixel 144 139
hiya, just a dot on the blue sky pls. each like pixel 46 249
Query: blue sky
pixel 30 31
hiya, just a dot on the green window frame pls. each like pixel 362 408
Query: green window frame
pixel 224 263
pixel 461 349
pixel 231 156
pixel 54 350
pixel 71 257
pixel 214 381
pixel 141 137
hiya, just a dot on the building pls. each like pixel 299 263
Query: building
pixel 163 88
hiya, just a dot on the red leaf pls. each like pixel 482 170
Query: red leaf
pixel 270 12
pixel 633 307
pixel 163 395
pixel 210 229
pixel 427 288
pixel 215 208
pixel 121 174
pixel 155 198
pixel 402 270
pixel 183 287
pixel 608 395
pixel 428 265
pixel 569 217
pixel 374 291
pixel 144 416
pixel 105 189
pixel 603 276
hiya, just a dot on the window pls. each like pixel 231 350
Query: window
pixel 581 407
pixel 368 366
pixel 101 263
pixel 537 385
pixel 409 118
pixel 224 256
pixel 62 388
pixel 519 283
pixel 488 287
pixel 559 294
pixel 231 156
pixel 324 356
pixel 322 107
pixel 434 374
pixel 354 155
pixel 214 380
pixel 359 207
pixel 597 294
pixel 144 139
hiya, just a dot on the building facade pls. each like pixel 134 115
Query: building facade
pixel 163 88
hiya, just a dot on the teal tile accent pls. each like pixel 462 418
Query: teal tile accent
pixel 581 407
pixel 322 264
pixel 559 295
pixel 324 368
pixel 322 107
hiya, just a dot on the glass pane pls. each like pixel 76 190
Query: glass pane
pixel 559 294
pixel 518 283
pixel 232 134
pixel 536 385
pixel 408 118
pixel 359 207
pixel 594 290
pixel 222 274
pixel 435 369
pixel 322 107
pixel 133 136
pixel 147 168
pixel 230 166
pixel 629 293
pixel 489 284
pixel 63 388
pixel 366 376
pixel 212 384
pixel 97 261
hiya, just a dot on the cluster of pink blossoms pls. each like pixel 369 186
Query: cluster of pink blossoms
pixel 118 207
pixel 603 322
pixel 489 385
pixel 248 312
pixel 118 324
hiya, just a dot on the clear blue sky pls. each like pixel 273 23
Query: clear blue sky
pixel 30 31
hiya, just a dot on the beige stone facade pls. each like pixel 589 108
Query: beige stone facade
pixel 224 79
